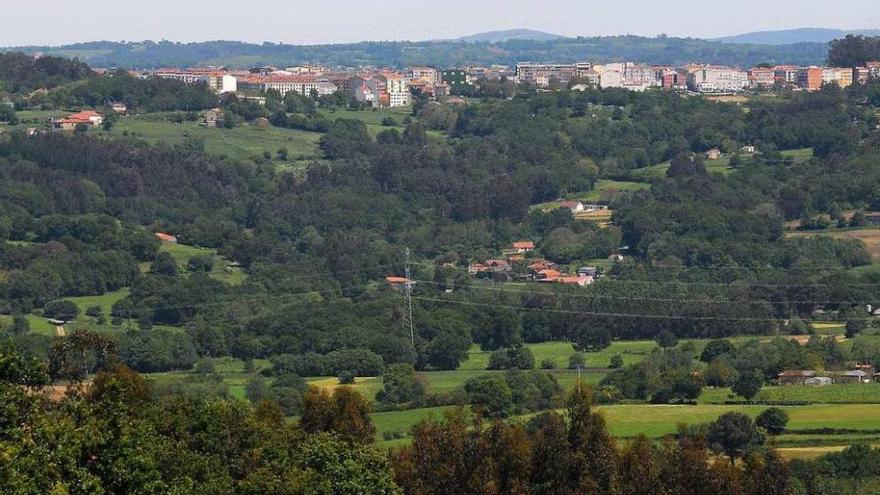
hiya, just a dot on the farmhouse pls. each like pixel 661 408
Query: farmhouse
pixel 88 117
pixel 523 246
pixel 574 206
pixel 713 154
pixel 794 377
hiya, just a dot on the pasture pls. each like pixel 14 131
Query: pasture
pixel 242 143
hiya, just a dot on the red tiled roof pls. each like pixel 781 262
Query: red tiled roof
pixel 524 245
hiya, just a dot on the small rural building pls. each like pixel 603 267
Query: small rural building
pixel 211 118
pixel 588 271
pixel 547 276
pixel 498 266
pixel 794 377
pixel 713 154
pixel 523 246
pixel 818 381
pixel 165 237
pixel 573 206
pixel 261 122
pixel 615 258
pixel 119 107
pixel 580 280
pixel 398 283
pixel 748 149
pixel 853 376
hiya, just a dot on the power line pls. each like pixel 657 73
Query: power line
pixel 650 299
pixel 616 315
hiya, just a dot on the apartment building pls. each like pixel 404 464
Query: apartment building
pixel 218 81
pixel 396 88
pixel 811 78
pixel 541 74
pixel 837 75
pixel 717 79
pixel 303 85
pixel 427 74
pixel 762 77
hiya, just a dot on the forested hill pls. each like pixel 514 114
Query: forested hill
pixel 660 50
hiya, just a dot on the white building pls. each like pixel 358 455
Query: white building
pixel 395 86
pixel 304 85
pixel 427 74
pixel 717 79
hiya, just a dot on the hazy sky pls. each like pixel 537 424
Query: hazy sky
pixel 333 21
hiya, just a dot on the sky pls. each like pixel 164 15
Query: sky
pixel 55 22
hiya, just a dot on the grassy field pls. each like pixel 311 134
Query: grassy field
pixel 221 271
pixel 838 393
pixel 241 143
pixel 721 166
pixel 799 155
pixel 870 236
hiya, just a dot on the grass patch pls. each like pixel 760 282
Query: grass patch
pixel 838 393
pixel 870 236
pixel 241 143
pixel 221 271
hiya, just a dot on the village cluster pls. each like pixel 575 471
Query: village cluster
pixel 517 263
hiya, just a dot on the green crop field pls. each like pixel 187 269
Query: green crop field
pixel 241 143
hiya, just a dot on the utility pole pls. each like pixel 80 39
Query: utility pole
pixel 407 304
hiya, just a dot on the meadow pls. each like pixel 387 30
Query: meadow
pixel 247 142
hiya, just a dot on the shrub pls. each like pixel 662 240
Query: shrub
pixel 548 364
pixel 616 362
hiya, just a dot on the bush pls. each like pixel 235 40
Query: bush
pixel 61 310
pixel 94 311
pixel 548 364
pixel 616 362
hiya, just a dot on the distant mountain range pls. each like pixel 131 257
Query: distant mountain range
pixel 510 34
pixel 793 36
pixel 451 53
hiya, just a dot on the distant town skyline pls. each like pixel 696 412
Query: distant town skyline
pixel 53 22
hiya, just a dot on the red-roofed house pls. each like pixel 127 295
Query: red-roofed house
pixel 88 117
pixel 523 246
pixel 162 236
pixel 398 282
pixel 548 276
pixel 574 206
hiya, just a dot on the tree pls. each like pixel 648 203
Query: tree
pixel 733 434
pixel 164 264
pixel 592 339
pixel 497 328
pixel 748 384
pixel 772 419
pixel 490 394
pixel 344 412
pixel 577 360
pixel 666 339
pixel 256 389
pixel 20 324
pixel 856 319
pixel 715 349
pixel 616 362
pixel 61 310
pixel 400 384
